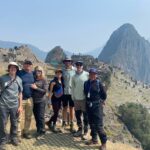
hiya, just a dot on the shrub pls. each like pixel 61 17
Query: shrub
pixel 137 120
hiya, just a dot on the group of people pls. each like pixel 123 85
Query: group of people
pixel 23 92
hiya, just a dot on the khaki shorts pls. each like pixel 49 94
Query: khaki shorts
pixel 79 105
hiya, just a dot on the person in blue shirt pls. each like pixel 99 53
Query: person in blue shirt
pixel 26 74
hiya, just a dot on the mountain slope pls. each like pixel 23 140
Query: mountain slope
pixel 39 53
pixel 129 51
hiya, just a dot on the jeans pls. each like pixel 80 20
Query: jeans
pixel 4 114
pixel 39 111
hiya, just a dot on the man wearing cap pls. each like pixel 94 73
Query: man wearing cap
pixel 68 73
pixel 27 77
pixel 10 104
pixel 79 99
pixel 95 98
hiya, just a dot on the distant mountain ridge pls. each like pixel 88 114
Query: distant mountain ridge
pixel 129 51
pixel 38 52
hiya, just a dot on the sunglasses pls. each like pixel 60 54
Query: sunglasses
pixel 79 64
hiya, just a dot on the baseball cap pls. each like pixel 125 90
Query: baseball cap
pixel 27 62
pixel 93 70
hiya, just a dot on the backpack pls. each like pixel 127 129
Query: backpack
pixel 57 89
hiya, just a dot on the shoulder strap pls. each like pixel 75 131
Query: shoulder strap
pixel 6 87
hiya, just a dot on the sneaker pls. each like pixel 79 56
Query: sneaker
pixel 3 147
pixel 91 142
pixel 27 136
pixel 50 125
pixel 78 133
pixel 85 136
pixel 40 136
pixel 15 142
pixel 102 147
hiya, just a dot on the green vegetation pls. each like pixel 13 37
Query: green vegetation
pixel 137 119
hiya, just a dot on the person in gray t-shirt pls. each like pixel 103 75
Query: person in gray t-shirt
pixel 10 103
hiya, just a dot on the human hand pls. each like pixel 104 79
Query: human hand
pixel 20 109
pixel 33 86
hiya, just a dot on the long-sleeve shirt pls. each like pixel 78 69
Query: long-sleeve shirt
pixel 78 85
pixel 38 94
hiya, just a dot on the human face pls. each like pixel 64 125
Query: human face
pixel 38 73
pixel 58 74
pixel 92 76
pixel 12 70
pixel 68 63
pixel 27 67
pixel 79 67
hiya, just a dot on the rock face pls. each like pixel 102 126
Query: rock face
pixel 129 51
pixel 55 56
pixel 18 54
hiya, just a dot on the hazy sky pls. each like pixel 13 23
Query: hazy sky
pixel 75 25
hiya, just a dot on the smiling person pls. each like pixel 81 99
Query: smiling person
pixel 10 103
pixel 39 100
pixel 26 74
pixel 56 91
pixel 95 99
pixel 68 73
pixel 79 100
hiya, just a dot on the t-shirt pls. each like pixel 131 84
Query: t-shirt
pixel 27 80
pixel 9 96
pixel 67 75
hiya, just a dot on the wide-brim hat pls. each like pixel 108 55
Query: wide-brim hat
pixel 13 64
pixel 67 58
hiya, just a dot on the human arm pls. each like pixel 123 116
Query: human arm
pixel 51 86
pixel 20 103
pixel 103 94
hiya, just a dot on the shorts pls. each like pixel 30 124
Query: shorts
pixel 80 105
pixel 67 100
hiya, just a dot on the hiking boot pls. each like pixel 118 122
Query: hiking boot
pixel 78 133
pixel 27 136
pixel 55 130
pixel 85 136
pixel 72 130
pixel 91 142
pixel 102 147
pixel 15 142
pixel 49 124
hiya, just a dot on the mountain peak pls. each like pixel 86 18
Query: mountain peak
pixel 129 51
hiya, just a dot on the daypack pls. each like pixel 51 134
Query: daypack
pixel 57 89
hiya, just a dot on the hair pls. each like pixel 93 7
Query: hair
pixel 42 70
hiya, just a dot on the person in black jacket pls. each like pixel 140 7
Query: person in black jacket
pixel 56 92
pixel 95 99
pixel 39 100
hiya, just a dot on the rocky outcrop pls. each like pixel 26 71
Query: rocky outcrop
pixel 55 56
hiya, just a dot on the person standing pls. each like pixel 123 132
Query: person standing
pixel 95 99
pixel 39 100
pixel 56 91
pixel 26 74
pixel 68 73
pixel 10 103
pixel 79 99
